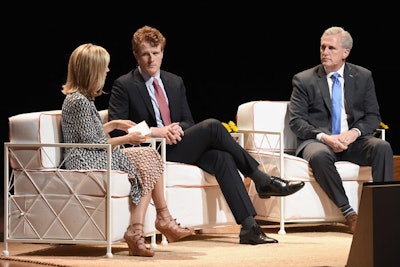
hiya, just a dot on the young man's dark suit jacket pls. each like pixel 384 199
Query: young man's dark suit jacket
pixel 206 144
pixel 310 114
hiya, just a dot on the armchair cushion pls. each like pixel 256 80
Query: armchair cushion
pixel 37 128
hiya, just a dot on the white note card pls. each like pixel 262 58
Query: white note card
pixel 141 127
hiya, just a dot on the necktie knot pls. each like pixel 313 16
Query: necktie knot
pixel 335 76
pixel 156 84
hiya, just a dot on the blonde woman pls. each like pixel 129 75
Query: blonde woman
pixel 81 123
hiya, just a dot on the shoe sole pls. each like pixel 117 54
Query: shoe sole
pixel 278 195
pixel 248 242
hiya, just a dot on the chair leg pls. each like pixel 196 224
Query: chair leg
pixel 164 240
pixel 282 230
pixel 153 242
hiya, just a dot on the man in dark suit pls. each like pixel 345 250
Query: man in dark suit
pixel 311 119
pixel 206 144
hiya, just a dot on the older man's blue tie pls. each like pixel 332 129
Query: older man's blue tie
pixel 336 103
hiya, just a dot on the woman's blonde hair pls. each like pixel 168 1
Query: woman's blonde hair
pixel 87 71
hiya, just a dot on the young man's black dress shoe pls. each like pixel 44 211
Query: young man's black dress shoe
pixel 255 236
pixel 279 188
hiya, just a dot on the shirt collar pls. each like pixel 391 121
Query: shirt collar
pixel 146 77
pixel 340 71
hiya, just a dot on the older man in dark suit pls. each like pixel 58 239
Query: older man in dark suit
pixel 312 119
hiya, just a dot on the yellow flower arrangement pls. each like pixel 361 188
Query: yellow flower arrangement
pixel 378 133
pixel 383 126
pixel 230 127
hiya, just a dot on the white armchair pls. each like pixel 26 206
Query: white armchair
pixel 45 203
pixel 268 138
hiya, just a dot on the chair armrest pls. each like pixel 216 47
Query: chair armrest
pixel 158 144
pixel 381 133
pixel 32 155
pixel 265 141
pixel 239 138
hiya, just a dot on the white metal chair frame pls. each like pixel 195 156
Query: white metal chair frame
pixel 106 238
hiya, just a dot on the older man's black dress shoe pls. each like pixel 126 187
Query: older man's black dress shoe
pixel 279 188
pixel 255 236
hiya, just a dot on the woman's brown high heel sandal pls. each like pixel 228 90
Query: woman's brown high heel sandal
pixel 172 230
pixel 137 242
